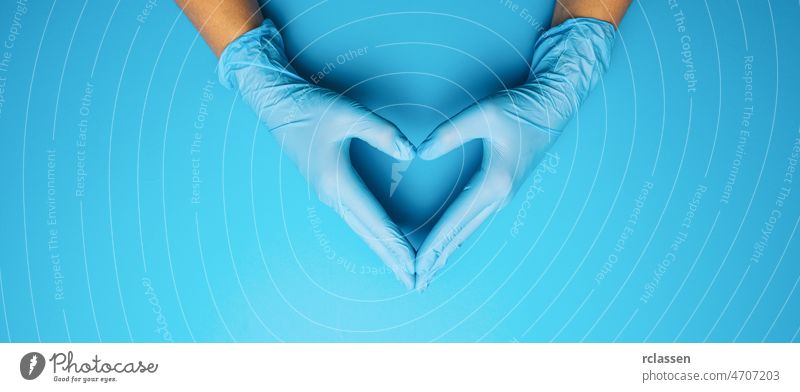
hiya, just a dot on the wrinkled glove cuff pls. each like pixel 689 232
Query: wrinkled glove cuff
pixel 579 46
pixel 568 60
pixel 261 48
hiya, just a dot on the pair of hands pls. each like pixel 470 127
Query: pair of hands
pixel 315 126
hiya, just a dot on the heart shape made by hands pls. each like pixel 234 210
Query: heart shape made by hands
pixel 415 69
pixel 417 192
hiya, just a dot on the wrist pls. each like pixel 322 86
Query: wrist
pixel 259 51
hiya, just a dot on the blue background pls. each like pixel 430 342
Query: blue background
pixel 258 258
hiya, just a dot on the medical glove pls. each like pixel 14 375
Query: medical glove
pixel 314 126
pixel 517 126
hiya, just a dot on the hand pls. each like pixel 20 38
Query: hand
pixel 314 126
pixel 517 126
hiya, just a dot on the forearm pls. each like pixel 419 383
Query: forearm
pixel 610 11
pixel 220 22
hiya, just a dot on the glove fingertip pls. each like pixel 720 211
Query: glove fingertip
pixel 424 281
pixel 405 150
pixel 409 266
pixel 406 279
pixel 404 256
pixel 428 150
pixel 424 264
pixel 400 260
pixel 442 140
pixel 387 138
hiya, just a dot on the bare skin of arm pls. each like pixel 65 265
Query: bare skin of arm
pixel 220 22
pixel 610 11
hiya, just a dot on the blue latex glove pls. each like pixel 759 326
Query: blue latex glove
pixel 314 126
pixel 517 126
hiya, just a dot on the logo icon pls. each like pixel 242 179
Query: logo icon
pixel 31 365
pixel 398 168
